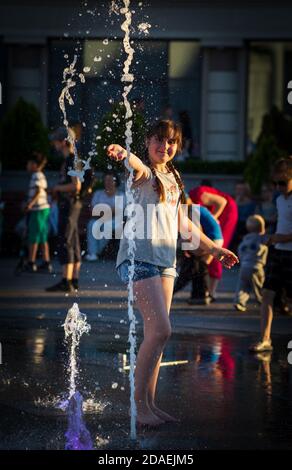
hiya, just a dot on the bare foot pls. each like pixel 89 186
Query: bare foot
pixel 163 415
pixel 149 422
pixel 146 417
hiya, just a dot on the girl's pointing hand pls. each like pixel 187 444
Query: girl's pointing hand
pixel 116 152
pixel 226 257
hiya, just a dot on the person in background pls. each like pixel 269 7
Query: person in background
pixel 67 193
pixel 224 208
pixel 185 122
pixel 246 207
pixel 267 209
pixel 194 266
pixel 38 210
pixel 108 196
pixel 167 112
pixel 279 263
pixel 252 253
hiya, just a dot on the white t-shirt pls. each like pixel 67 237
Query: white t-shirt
pixel 116 203
pixel 38 180
pixel 101 197
pixel 156 222
pixel 284 223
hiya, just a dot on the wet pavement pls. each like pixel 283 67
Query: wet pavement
pixel 225 397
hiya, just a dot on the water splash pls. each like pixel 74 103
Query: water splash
pixel 77 435
pixel 129 78
pixel 83 165
pixel 114 8
pixel 68 75
pixel 144 28
pixel 75 326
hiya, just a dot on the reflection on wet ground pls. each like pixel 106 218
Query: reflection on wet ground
pixel 224 397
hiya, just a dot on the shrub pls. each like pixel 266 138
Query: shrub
pixel 21 133
pixel 273 143
pixel 113 128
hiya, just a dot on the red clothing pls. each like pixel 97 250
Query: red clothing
pixel 228 220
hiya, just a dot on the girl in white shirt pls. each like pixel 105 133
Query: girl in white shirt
pixel 157 183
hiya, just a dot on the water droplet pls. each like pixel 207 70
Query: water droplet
pixel 114 385
pixel 105 42
pixel 97 59
pixel 86 69
pixel 82 78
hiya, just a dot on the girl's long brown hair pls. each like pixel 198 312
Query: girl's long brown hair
pixel 166 129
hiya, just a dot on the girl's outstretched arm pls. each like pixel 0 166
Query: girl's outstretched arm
pixel 118 153
pixel 191 232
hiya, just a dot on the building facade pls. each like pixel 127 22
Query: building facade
pixel 223 63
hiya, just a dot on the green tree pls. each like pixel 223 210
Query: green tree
pixel 21 133
pixel 260 162
pixel 113 128
pixel 274 142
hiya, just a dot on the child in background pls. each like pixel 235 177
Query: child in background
pixel 194 266
pixel 252 253
pixel 279 263
pixel 158 186
pixel 108 196
pixel 267 209
pixel 224 208
pixel 38 209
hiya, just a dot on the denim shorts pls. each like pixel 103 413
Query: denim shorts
pixel 144 271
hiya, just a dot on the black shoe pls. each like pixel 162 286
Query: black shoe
pixel 45 267
pixel 75 284
pixel 197 301
pixel 31 267
pixel 62 286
